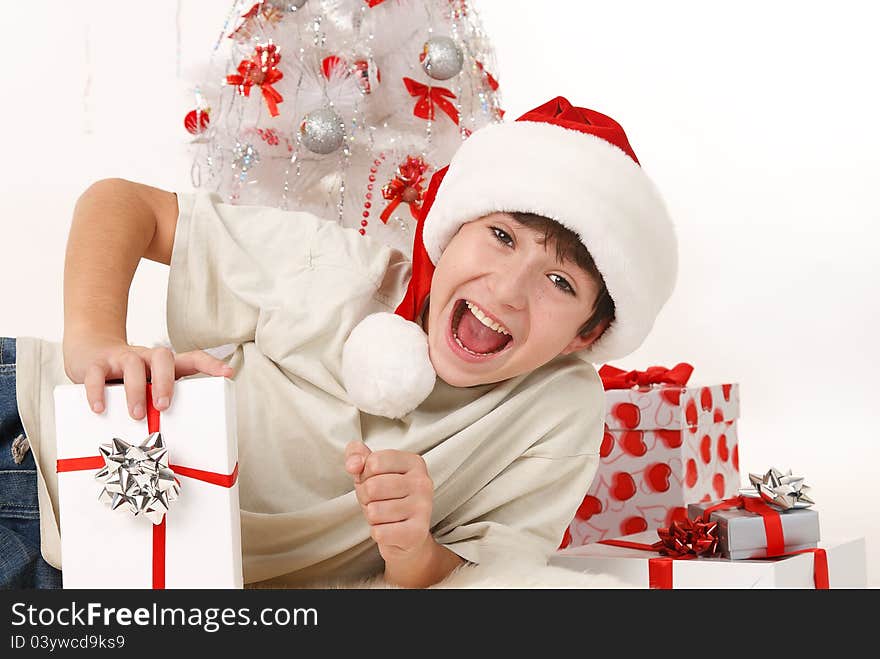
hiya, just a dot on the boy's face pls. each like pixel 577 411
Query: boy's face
pixel 494 269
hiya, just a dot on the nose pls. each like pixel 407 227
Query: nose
pixel 510 286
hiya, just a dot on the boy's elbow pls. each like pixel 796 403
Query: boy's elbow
pixel 103 187
pixel 152 209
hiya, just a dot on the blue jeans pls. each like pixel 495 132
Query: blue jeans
pixel 21 564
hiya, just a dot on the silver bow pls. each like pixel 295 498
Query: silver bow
pixel 782 490
pixel 138 477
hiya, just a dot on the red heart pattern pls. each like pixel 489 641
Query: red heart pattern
pixel 633 442
pixel 658 476
pixel 566 539
pixel 671 395
pixel 725 391
pixel 622 486
pixel 633 525
pixel 607 444
pixel 718 484
pixel 723 453
pixel 589 506
pixel 672 438
pixel 706 398
pixel 706 449
pixel 690 474
pixel 690 413
pixel 628 414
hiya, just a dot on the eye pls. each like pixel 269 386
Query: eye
pixel 562 284
pixel 502 236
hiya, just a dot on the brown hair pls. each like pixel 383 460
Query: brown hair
pixel 569 247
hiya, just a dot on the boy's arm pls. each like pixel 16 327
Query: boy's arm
pixel 116 223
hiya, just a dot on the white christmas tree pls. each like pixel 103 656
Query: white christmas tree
pixel 342 108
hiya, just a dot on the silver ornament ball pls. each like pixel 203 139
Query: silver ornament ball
pixel 322 131
pixel 441 58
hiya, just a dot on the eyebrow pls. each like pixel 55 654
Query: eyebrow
pixel 540 241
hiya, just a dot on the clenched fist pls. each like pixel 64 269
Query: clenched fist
pixel 396 495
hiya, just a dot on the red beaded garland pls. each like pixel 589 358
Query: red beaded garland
pixel 369 195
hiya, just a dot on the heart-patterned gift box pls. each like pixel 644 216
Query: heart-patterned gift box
pixel 667 444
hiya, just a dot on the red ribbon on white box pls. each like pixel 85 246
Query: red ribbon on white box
pixel 97 462
pixel 660 569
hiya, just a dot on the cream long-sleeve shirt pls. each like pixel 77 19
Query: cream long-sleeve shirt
pixel 510 461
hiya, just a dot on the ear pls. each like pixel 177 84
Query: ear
pixel 580 342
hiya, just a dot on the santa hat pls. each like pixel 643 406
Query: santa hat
pixel 570 164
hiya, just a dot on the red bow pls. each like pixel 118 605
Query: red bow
pixel 260 70
pixel 373 3
pixel 616 378
pixel 697 537
pixel 406 187
pixel 428 97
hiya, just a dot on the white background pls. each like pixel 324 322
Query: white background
pixel 759 122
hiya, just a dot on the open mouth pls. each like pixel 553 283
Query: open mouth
pixel 475 334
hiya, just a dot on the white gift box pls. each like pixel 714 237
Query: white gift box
pixel 846 566
pixel 104 548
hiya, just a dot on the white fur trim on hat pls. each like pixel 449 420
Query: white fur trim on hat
pixel 586 184
pixel 386 368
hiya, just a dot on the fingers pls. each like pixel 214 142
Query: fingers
pixel 389 511
pixel 381 487
pixel 133 363
pixel 134 377
pixel 391 462
pixel 161 377
pixel 95 377
pixel 356 453
pixel 199 361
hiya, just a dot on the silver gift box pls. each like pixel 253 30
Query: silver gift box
pixel 741 533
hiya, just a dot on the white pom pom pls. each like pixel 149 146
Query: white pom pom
pixel 386 368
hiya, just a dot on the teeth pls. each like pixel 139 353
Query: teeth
pixel 465 348
pixel 485 320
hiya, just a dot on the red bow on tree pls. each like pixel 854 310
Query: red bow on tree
pixel 406 187
pixel 261 70
pixel 428 97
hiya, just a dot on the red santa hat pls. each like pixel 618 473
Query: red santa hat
pixel 570 164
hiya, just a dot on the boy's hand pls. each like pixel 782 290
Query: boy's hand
pixel 95 360
pixel 396 495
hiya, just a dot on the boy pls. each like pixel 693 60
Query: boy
pixel 353 456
